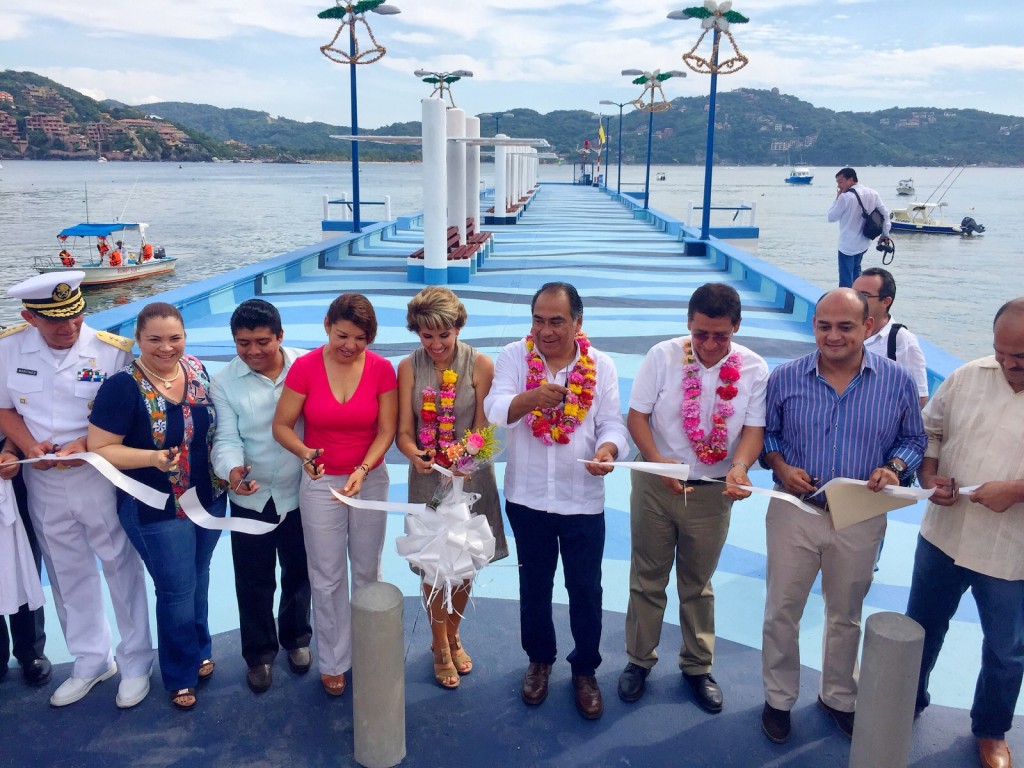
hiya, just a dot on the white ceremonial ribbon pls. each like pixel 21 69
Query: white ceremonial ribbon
pixel 896 491
pixel 8 505
pixel 773 494
pixel 19 580
pixel 148 496
pixel 196 512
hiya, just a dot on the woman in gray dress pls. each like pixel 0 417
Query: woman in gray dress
pixel 442 370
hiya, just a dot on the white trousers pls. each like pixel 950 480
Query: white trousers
pixel 799 546
pixel 336 537
pixel 75 517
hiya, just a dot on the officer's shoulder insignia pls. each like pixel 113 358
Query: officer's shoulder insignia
pixel 13 330
pixel 121 342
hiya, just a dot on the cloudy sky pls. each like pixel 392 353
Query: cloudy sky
pixel 543 54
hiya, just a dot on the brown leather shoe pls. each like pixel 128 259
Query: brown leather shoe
pixel 588 696
pixel 994 753
pixel 535 683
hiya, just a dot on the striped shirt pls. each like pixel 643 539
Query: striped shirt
pixel 827 435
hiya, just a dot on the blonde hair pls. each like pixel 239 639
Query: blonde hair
pixel 435 308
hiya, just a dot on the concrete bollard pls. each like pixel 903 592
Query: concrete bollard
pixel 378 695
pixel 887 690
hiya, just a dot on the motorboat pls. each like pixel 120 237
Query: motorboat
pixel 800 175
pixel 85 247
pixel 905 187
pixel 926 218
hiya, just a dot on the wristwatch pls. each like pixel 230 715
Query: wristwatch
pixel 894 466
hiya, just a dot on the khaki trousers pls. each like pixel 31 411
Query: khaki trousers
pixel 799 546
pixel 691 532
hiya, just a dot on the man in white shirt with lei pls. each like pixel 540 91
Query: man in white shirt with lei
pixel 559 398
pixel 696 400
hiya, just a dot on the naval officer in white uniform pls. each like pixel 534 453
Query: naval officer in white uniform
pixel 50 371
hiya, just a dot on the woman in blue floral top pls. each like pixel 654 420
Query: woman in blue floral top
pixel 155 421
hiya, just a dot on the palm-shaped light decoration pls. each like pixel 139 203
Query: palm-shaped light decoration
pixel 442 81
pixel 714 17
pixel 351 15
pixel 651 81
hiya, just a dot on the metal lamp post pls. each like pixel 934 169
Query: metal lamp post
pixel 352 14
pixel 618 179
pixel 442 81
pixel 652 83
pixel 497 119
pixel 717 17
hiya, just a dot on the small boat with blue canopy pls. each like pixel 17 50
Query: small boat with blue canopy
pixel 107 253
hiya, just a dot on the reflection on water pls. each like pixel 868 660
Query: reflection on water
pixel 216 217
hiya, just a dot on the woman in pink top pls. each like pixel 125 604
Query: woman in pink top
pixel 348 399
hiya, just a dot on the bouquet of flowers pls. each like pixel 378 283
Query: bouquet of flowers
pixel 476 449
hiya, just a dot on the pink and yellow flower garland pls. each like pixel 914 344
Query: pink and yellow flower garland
pixel 555 425
pixel 437 430
pixel 716 447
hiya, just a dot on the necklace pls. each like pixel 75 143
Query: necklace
pixel 166 382
pixel 555 425
pixel 438 425
pixel 715 448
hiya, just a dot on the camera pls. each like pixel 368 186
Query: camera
pixel 885 246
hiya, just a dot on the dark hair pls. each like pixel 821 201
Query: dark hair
pixel 1013 305
pixel 575 302
pixel 887 290
pixel 156 309
pixel 256 313
pixel 358 310
pixel 847 173
pixel 715 300
pixel 435 308
pixel 861 299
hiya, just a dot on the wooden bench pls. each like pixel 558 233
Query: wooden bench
pixel 452 244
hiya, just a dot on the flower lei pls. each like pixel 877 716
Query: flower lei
pixel 555 425
pixel 438 429
pixel 715 448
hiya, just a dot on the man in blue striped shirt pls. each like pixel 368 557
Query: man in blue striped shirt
pixel 837 412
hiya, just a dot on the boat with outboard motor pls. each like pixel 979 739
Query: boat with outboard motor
pixel 926 218
pixel 84 247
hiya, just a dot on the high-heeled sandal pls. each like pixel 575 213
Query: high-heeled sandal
pixel 334 684
pixel 445 673
pixel 462 660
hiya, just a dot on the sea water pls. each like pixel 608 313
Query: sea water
pixel 218 216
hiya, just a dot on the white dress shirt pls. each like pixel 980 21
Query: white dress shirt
pixel 245 403
pixel 658 390
pixel 908 353
pixel 550 478
pixel 847 211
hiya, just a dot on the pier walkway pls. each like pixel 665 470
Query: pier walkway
pixel 635 278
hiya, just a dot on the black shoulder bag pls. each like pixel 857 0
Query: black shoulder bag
pixel 874 222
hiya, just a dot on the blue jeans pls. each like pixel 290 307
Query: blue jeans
pixel 935 593
pixel 849 268
pixel 539 537
pixel 177 554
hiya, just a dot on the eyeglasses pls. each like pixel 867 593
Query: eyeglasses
pixel 701 337
pixel 867 295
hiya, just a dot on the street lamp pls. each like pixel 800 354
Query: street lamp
pixel 651 81
pixel 714 16
pixel 352 14
pixel 497 119
pixel 442 81
pixel 618 181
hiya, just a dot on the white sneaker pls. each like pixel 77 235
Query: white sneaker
pixel 75 688
pixel 132 690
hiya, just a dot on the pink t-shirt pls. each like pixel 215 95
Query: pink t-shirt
pixel 344 430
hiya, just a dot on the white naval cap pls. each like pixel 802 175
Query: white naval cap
pixel 56 295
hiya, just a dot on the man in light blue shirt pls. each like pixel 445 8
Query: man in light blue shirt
pixel 264 480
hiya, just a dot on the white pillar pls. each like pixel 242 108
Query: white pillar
pixel 886 691
pixel 456 154
pixel 500 178
pixel 473 173
pixel 378 676
pixel 435 182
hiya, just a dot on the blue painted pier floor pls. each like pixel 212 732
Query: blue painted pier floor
pixel 635 280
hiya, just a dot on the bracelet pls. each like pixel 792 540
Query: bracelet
pixel 366 469
pixel 739 464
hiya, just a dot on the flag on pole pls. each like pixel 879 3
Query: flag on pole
pixel 600 131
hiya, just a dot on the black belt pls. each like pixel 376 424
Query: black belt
pixel 705 482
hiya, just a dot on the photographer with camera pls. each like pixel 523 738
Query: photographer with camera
pixel 853 212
